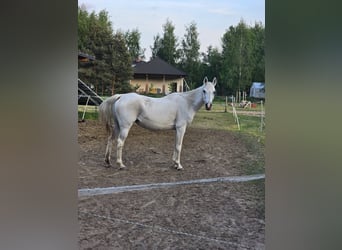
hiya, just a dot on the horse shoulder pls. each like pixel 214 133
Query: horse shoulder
pixel 185 115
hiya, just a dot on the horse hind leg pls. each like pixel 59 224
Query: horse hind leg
pixel 120 143
pixel 109 148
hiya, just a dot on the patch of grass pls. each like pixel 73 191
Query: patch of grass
pixel 90 114
pixel 251 125
pixel 213 120
pixel 225 121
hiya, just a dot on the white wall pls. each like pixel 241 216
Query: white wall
pixel 156 85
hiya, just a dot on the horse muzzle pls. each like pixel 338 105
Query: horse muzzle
pixel 208 106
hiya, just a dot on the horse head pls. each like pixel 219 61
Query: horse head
pixel 208 92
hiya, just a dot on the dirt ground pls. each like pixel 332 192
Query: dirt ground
pixel 200 216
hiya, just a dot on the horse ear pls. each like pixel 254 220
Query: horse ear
pixel 205 80
pixel 214 81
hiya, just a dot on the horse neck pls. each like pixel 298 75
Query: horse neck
pixel 194 98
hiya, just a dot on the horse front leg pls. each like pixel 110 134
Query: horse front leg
pixel 180 131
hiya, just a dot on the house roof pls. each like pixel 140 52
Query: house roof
pixel 258 85
pixel 157 66
pixel 85 57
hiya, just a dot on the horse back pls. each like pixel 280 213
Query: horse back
pixel 151 113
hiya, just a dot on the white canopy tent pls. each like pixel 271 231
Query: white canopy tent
pixel 257 90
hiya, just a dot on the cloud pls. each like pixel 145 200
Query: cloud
pixel 224 12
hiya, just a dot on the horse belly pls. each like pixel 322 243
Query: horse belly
pixel 154 125
pixel 155 122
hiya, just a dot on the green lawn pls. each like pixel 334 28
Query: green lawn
pixel 225 121
pixel 90 114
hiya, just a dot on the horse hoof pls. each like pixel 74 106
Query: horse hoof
pixel 179 168
pixel 107 164
pixel 122 167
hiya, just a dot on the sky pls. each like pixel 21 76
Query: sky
pixel 212 17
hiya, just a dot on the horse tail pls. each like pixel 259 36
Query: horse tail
pixel 106 112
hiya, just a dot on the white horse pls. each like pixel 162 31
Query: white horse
pixel 175 111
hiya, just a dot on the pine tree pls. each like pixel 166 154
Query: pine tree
pixel 111 70
pixel 236 53
pixel 166 47
pixel 133 43
pixel 190 61
pixel 120 63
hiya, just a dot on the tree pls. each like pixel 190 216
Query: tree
pixel 133 43
pixel 236 52
pixel 190 61
pixel 111 69
pixel 156 46
pixel 166 47
pixel 83 29
pixel 211 67
pixel 258 52
pixel 95 33
pixel 120 64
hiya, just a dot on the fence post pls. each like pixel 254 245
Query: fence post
pixel 226 104
pixel 85 108
pixel 261 116
pixel 235 114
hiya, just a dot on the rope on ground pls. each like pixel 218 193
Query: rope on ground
pixel 119 189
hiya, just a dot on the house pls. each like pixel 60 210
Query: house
pixel 157 77
pixel 257 90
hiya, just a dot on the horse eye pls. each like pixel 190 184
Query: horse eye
pixel 204 91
